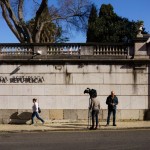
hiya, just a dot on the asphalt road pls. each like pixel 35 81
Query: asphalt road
pixel 81 140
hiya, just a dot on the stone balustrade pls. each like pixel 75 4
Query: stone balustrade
pixel 11 50
pixel 112 49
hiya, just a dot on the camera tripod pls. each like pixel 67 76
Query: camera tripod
pixel 89 115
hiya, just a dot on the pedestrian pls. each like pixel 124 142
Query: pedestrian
pixel 35 111
pixel 95 107
pixel 112 101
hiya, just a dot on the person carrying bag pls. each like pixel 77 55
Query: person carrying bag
pixel 36 109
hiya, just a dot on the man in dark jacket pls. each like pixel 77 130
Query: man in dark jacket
pixel 112 101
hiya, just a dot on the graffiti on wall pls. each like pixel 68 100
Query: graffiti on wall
pixel 22 79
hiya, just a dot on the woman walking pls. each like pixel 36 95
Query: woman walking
pixel 35 111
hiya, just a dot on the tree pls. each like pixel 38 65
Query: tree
pixel 46 25
pixel 50 32
pixel 109 27
pixel 92 18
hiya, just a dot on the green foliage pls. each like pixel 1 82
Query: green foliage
pixel 91 24
pixel 108 27
pixel 50 32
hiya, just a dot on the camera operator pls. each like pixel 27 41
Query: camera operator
pixel 95 107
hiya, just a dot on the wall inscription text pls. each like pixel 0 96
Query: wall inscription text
pixel 22 79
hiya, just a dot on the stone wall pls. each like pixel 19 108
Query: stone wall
pixel 59 89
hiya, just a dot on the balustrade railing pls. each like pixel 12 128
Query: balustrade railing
pixel 11 50
pixel 64 49
pixel 111 50
pixel 59 49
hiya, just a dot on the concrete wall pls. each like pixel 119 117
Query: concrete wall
pixel 59 90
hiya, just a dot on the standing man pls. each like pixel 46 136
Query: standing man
pixel 112 101
pixel 95 107
pixel 35 111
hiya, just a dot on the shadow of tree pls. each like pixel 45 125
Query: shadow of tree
pixel 21 118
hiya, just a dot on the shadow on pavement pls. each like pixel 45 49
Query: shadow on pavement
pixel 21 118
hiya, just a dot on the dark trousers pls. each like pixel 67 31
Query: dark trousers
pixel 37 115
pixel 109 114
pixel 95 117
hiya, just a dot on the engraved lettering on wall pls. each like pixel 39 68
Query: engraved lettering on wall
pixel 22 79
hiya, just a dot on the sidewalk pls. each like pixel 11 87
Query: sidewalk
pixel 71 126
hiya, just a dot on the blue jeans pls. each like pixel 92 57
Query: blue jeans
pixel 37 115
pixel 95 117
pixel 114 115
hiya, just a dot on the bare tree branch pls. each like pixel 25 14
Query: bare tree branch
pixel 70 12
pixel 10 11
pixel 4 13
pixel 26 31
pixel 39 12
pixel 74 12
pixel 36 2
pixel 20 10
pixel 14 19
pixel 37 37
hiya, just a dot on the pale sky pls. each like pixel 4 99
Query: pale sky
pixel 131 9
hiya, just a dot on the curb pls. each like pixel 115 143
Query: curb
pixel 75 130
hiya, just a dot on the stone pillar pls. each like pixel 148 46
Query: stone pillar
pixel 141 51
pixel 86 50
pixel 43 49
pixel 140 45
pixel 140 48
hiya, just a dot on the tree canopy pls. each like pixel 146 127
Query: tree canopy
pixel 109 27
pixel 91 22
pixel 47 22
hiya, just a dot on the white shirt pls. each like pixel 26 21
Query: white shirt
pixel 35 107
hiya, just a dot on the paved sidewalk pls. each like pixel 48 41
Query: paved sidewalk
pixel 71 126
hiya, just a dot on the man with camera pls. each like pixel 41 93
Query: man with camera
pixel 112 101
pixel 95 107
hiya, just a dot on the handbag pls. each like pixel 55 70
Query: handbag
pixel 39 110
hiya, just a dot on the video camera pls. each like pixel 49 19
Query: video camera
pixel 91 92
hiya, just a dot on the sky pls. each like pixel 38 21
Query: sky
pixel 131 9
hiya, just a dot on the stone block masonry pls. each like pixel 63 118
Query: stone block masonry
pixel 59 76
pixel 59 90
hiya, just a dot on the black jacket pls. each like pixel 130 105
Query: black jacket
pixel 110 101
